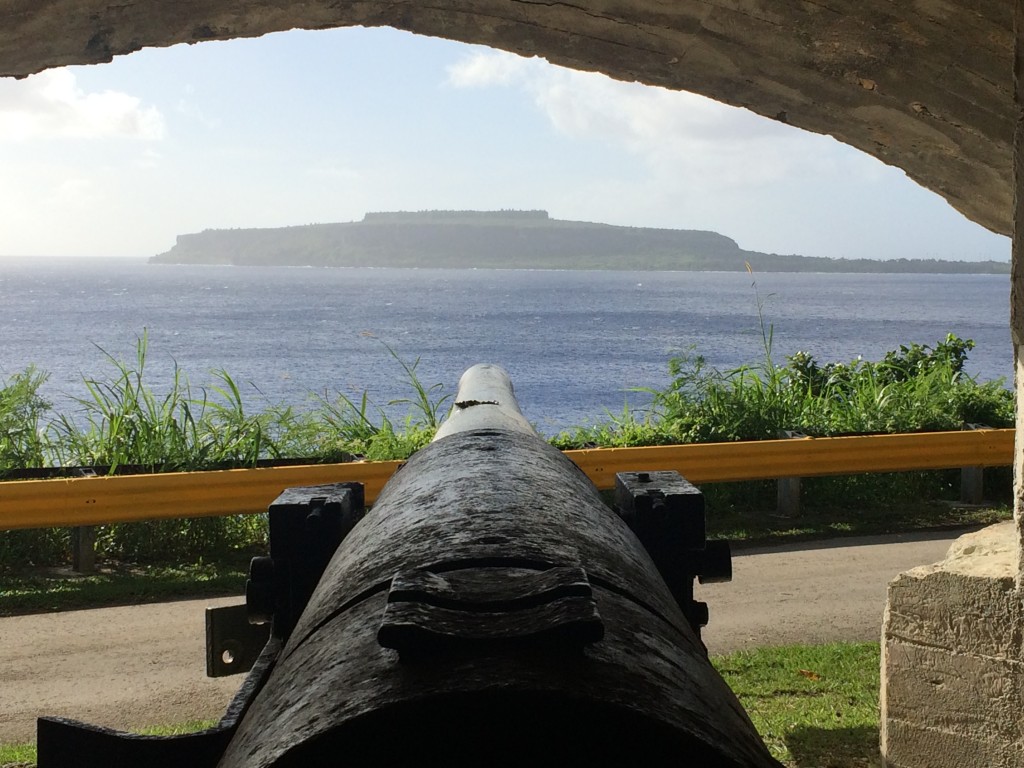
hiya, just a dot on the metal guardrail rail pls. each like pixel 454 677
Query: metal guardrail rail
pixel 118 499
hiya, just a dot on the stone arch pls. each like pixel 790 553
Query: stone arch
pixel 925 85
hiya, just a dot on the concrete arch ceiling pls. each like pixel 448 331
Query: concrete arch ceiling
pixel 926 85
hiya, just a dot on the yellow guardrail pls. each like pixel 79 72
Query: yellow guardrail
pixel 805 457
pixel 117 499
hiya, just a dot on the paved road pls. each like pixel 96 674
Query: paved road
pixel 143 665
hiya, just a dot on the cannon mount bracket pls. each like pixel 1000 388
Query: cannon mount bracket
pixel 307 524
pixel 667 514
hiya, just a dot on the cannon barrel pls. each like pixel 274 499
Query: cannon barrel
pixel 490 609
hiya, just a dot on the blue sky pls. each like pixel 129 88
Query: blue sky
pixel 302 127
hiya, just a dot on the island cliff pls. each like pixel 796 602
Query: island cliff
pixel 506 239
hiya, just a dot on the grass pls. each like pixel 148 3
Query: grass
pixel 46 590
pixel 121 422
pixel 178 729
pixel 741 527
pixel 814 706
pixel 916 388
pixel 17 755
pixel 24 755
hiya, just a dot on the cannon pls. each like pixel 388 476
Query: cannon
pixel 490 609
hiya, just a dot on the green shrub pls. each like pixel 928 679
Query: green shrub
pixel 34 547
pixel 21 443
pixel 913 389
pixel 185 540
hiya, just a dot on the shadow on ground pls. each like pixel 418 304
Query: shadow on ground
pixel 834 747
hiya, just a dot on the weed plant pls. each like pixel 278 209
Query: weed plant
pixel 346 425
pixel 812 705
pixel 22 443
pixel 122 425
pixel 916 388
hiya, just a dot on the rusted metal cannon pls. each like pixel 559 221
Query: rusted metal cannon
pixel 490 609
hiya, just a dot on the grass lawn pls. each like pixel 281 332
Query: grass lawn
pixel 24 755
pixel 17 755
pixel 744 527
pixel 59 589
pixel 815 706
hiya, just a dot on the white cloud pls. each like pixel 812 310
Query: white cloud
pixel 685 140
pixel 75 192
pixel 52 105
pixel 481 70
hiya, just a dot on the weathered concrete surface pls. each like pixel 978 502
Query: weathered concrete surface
pixel 953 660
pixel 925 85
pixel 1017 281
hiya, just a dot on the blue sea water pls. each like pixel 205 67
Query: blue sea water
pixel 574 342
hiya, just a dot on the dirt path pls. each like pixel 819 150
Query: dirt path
pixel 143 665
pixel 813 593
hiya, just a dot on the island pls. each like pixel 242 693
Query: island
pixel 512 239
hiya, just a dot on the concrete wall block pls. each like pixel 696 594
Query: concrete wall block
pixel 978 698
pixel 952 692
pixel 908 745
pixel 981 616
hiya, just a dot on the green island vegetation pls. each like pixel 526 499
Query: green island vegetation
pixel 511 240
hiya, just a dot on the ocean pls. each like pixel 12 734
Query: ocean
pixel 575 343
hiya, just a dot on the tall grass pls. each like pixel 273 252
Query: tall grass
pixel 916 388
pixel 22 443
pixel 913 389
pixel 122 424
pixel 358 426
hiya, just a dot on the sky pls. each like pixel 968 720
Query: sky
pixel 307 127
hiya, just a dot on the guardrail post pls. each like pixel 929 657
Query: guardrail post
pixel 788 498
pixel 83 538
pixel 972 485
pixel 83 549
pixel 972 479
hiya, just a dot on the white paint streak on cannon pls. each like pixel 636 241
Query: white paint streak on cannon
pixel 486 399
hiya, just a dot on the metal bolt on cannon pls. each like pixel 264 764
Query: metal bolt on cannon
pixel 490 609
